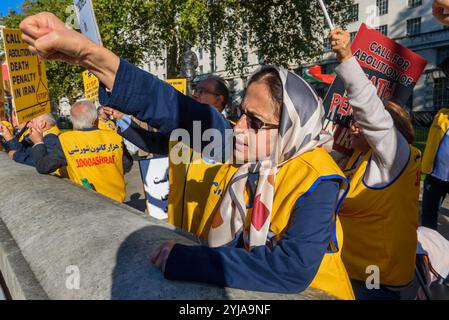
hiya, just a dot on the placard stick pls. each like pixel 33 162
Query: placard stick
pixel 326 15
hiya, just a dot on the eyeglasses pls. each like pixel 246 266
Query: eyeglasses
pixel 200 91
pixel 255 123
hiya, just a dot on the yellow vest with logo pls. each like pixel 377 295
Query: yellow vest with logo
pixel 106 125
pixel 97 156
pixel 438 130
pixel 306 169
pixel 380 224
pixel 61 172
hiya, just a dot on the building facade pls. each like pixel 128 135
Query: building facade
pixel 409 22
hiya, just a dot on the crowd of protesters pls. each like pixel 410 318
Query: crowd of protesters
pixel 277 214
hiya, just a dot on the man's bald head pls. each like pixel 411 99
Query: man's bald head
pixel 83 115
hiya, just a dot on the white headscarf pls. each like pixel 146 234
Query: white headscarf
pixel 299 132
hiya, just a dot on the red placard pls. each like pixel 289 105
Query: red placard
pixel 392 68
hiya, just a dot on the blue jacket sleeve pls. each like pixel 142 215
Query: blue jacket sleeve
pixel 154 101
pixel 288 267
pixel 14 144
pixel 24 155
pixel 149 141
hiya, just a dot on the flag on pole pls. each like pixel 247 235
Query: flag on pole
pixel 315 74
pixel 326 15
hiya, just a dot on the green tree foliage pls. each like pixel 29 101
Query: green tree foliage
pixel 64 79
pixel 284 31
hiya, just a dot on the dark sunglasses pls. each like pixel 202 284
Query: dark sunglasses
pixel 255 123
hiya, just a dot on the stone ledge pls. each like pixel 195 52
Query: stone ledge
pixel 52 224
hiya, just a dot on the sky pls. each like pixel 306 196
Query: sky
pixel 5 5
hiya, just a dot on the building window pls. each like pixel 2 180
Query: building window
pixel 327 45
pixel 245 39
pixel 442 53
pixel 201 69
pixel 245 57
pixel 414 3
pixel 352 35
pixel 382 6
pixel 383 29
pixel 441 93
pixel 200 53
pixel 414 26
pixel 354 12
pixel 260 58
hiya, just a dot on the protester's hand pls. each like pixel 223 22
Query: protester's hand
pixel 11 154
pixel 341 44
pixel 438 10
pixel 160 255
pixel 36 135
pixel 51 39
pixel 113 112
pixel 4 131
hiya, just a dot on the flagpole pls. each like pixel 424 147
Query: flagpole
pixel 326 15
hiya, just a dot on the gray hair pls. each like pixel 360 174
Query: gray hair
pixel 48 118
pixel 86 118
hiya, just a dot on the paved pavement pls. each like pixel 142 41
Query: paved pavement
pixel 443 221
pixel 135 195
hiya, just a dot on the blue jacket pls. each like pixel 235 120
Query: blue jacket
pixel 24 151
pixel 288 267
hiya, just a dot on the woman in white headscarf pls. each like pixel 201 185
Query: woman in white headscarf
pixel 271 222
pixel 275 227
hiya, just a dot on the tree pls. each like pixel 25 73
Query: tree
pixel 284 31
pixel 64 79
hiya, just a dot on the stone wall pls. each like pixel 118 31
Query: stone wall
pixel 51 228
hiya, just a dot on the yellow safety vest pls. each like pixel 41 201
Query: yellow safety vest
pixel 187 181
pixel 437 131
pixel 61 172
pixel 307 170
pixel 97 156
pixel 10 128
pixel 380 224
pixel 106 125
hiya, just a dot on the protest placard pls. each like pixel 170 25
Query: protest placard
pixel 27 77
pixel 178 84
pixel 154 173
pixel 91 85
pixel 392 68
pixel 2 98
pixel 86 19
